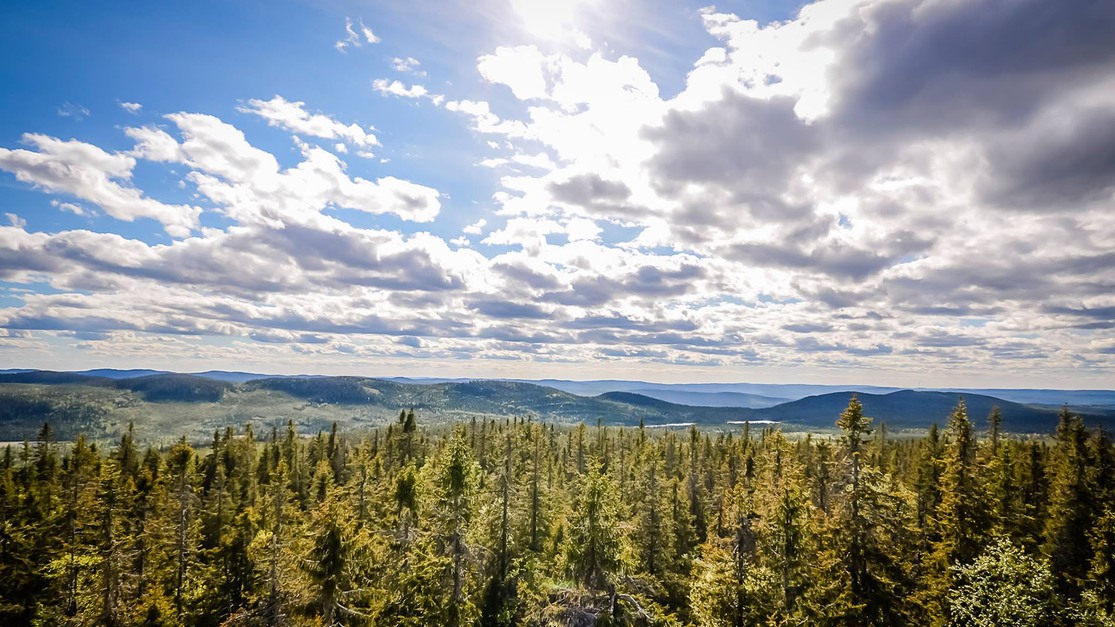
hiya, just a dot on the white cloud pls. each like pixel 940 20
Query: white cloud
pixel 541 161
pixel 762 215
pixel 15 220
pixel 476 228
pixel 369 36
pixel 523 68
pixel 529 233
pixel 247 184
pixel 69 207
pixel 216 147
pixel 582 229
pixel 743 168
pixel 407 65
pixel 154 144
pixel 484 121
pixel 91 174
pixel 356 35
pixel 131 107
pixel 292 116
pixel 397 88
pixel 75 111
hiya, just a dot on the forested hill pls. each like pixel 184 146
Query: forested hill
pixel 910 409
pixel 176 404
pixel 153 387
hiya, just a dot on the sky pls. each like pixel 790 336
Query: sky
pixel 895 192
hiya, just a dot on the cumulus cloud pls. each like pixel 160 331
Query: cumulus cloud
pixel 396 88
pixel 89 173
pixel 483 120
pixel 248 184
pixel 807 161
pixel 476 228
pixel 292 116
pixel 69 207
pixel 131 107
pixel 878 184
pixel 400 90
pixel 407 65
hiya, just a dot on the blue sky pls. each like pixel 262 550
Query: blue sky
pixel 906 192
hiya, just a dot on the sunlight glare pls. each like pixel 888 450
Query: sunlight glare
pixel 554 21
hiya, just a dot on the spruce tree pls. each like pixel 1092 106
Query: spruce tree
pixel 594 544
pixel 875 525
pixel 962 515
pixel 1071 512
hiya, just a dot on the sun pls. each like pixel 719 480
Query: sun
pixel 555 21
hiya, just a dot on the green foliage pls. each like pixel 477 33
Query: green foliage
pixel 962 516
pixel 1098 602
pixel 168 405
pixel 1071 507
pixel 510 522
pixel 594 542
pixel 725 594
pixel 1002 586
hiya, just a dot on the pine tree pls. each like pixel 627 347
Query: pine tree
pixel 962 516
pixel 113 495
pixel 11 563
pixel 962 522
pixel 928 481
pixel 593 548
pixel 786 529
pixel 1031 475
pixel 79 471
pixel 876 524
pixel 274 553
pixel 183 505
pixel 730 586
pixel 453 480
pixel 498 601
pixel 855 427
pixel 695 490
pixel 330 565
pixel 651 534
pixel 1098 602
pixel 536 514
pixel 151 525
pixel 1071 510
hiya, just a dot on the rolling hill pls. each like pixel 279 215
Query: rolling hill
pixel 713 399
pixel 166 405
pixel 753 395
pixel 492 397
pixel 917 409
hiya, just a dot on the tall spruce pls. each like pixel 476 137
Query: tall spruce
pixel 1071 509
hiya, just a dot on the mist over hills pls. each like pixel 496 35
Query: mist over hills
pixel 102 402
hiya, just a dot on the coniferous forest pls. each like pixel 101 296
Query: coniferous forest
pixel 512 522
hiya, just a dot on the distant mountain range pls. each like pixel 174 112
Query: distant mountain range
pixel 104 400
pixel 917 409
pixel 748 395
